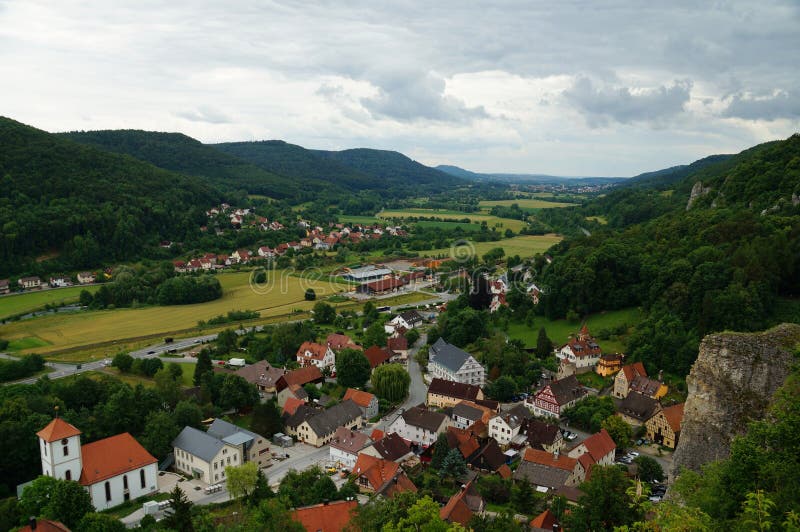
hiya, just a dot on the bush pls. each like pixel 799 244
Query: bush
pixel 310 295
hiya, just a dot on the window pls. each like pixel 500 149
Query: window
pixel 108 491
pixel 124 482
pixel 68 475
pixel 65 446
pixel 45 448
pixel 215 465
pixel 141 478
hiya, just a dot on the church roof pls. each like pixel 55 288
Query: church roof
pixel 58 429
pixel 112 456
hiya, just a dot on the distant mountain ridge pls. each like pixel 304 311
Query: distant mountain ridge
pixel 543 179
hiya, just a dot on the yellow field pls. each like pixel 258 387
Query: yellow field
pixel 525 203
pixel 492 221
pixel 599 219
pixel 72 330
pixel 27 301
pixel 524 246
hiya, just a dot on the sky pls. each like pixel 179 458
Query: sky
pixel 575 88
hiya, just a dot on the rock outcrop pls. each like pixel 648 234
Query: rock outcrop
pixel 731 383
pixel 698 190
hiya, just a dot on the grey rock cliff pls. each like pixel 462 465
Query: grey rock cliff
pixel 731 383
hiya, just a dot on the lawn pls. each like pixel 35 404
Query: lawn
pixel 450 225
pixel 524 246
pixel 525 203
pixel 445 214
pixel 599 219
pixel 282 295
pixel 369 220
pixel 12 305
pixel 559 330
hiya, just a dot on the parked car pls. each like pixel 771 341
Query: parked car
pixel 571 436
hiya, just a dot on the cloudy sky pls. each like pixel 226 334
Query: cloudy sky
pixel 565 87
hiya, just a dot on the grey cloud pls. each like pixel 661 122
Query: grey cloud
pixel 420 97
pixel 783 104
pixel 205 114
pixel 601 105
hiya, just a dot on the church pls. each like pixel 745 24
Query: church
pixel 114 470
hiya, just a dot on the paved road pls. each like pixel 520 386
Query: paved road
pixel 417 392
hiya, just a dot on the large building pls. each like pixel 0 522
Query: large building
pixel 419 425
pixel 314 354
pixel 346 445
pixel 203 456
pixel 254 448
pixel 320 429
pixel 445 393
pixel 113 470
pixel 633 378
pixel 365 274
pixel 450 363
pixel 557 396
pixel 665 426
pixel 582 351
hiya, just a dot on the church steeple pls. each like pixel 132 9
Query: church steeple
pixel 60 450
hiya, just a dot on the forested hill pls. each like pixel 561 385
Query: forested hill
pixel 84 205
pixel 664 179
pixel 730 262
pixel 180 153
pixel 389 172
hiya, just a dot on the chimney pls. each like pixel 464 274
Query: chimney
pixel 32 523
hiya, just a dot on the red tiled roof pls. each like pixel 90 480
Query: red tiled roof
pixel 376 435
pixel 327 517
pixel 545 520
pixel 631 370
pixel 549 459
pixel 340 341
pixel 504 471
pixel 377 356
pixel 359 397
pixel 674 415
pixel 111 457
pixel 291 405
pixel 302 376
pixel 46 525
pixel 599 444
pixel 57 429
pixel 398 343
pixel 317 351
pixel 456 509
pixel 383 285
pixel 379 472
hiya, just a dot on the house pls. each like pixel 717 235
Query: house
pixel 252 447
pixel 609 364
pixel 505 426
pixel 377 356
pixel 240 256
pixel 300 377
pixel 346 445
pixel 465 413
pixel 582 351
pixel 420 425
pixel 390 447
pixel 203 456
pixel 29 283
pixel 337 342
pixel 41 524
pixel 113 470
pixel 637 408
pixel 4 286
pixel 320 429
pixel 444 393
pixel 384 286
pixel 544 436
pixel 549 471
pixel 408 320
pixel 262 374
pixel 489 457
pixel 599 447
pixel 463 505
pixel 294 393
pixel 366 401
pixel 633 377
pixel 664 427
pixel 557 396
pixel 314 354
pixel 326 517
pixel 453 364
pixel 545 522
pixel 86 278
pixel 265 252
pixel 374 475
pixel 293 417
pixel 59 281
pixel 290 406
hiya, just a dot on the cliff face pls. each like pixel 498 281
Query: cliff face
pixel 730 384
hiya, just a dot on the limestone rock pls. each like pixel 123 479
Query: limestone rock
pixel 731 383
pixel 698 190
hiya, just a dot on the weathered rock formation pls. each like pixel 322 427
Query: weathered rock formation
pixel 731 383
pixel 698 190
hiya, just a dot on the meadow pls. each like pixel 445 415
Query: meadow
pixel 445 214
pixel 559 330
pixel 524 246
pixel 524 203
pixel 14 304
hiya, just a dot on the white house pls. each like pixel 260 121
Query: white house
pixel 598 449
pixel 204 457
pixel 113 470
pixel 450 363
pixel 408 320
pixel 314 354
pixel 419 425
pixel 582 351
pixel 504 427
pixel 346 445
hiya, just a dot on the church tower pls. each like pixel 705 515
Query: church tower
pixel 60 449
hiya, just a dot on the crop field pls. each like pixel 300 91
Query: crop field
pixel 599 219
pixel 371 220
pixel 64 331
pixel 524 246
pixel 559 330
pixel 12 305
pixel 470 227
pixel 525 203
pixel 491 221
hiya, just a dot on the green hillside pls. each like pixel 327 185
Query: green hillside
pixel 180 153
pixel 86 206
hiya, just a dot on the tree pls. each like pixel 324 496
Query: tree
pixel 261 490
pixel 619 430
pixel 203 366
pixel 94 522
pixel 241 479
pixel 85 299
pixel 36 495
pixel 324 313
pixel 123 362
pixel 453 465
pixel 391 382
pixel 304 488
pixel 273 516
pixel 370 313
pixel 649 469
pixel 440 450
pixel 422 515
pixel 412 336
pixel 605 504
pixel 149 366
pixel 503 388
pixel 544 347
pixel 69 502
pixel 523 498
pixel 310 294
pixel 179 514
pixel 159 431
pixel 266 419
pixel 375 335
pixel 187 414
pixel 10 513
pixel 167 386
pixel 352 368
pixel 237 393
pixel 226 341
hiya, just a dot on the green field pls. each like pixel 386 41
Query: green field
pixel 12 305
pixel 450 226
pixel 599 219
pixel 491 221
pixel 524 246
pixel 525 203
pixel 559 330
pixel 370 220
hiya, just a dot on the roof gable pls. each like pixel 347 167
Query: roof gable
pixel 448 355
pixel 58 429
pixel 599 445
pixel 326 517
pixel 359 397
pixel 674 416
